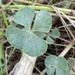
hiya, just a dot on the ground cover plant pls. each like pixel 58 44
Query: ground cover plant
pixel 36 33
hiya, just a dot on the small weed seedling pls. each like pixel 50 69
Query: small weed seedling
pixel 30 38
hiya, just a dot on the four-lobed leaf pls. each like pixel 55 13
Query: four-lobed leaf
pixel 26 39
pixel 58 65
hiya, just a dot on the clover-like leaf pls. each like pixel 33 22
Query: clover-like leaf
pixel 0 1
pixel 52 35
pixel 50 70
pixel 24 17
pixel 71 66
pixel 43 22
pixel 71 61
pixel 49 40
pixel 60 71
pixel 58 63
pixel 41 34
pixel 26 38
pixel 55 33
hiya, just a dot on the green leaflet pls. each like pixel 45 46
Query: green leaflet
pixel 24 17
pixel 43 22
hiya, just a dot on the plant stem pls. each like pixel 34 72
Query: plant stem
pixel 27 2
pixel 4 17
pixel 48 8
pixel 2 33
pixel 11 53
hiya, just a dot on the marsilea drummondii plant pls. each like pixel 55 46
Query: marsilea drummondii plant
pixel 32 35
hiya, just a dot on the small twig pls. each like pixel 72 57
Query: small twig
pixel 27 2
pixel 71 21
pixel 58 3
pixel 6 62
pixel 64 40
pixel 64 26
pixel 66 50
pixel 35 2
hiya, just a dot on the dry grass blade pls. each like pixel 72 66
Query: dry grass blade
pixel 68 47
pixel 27 2
pixel 71 17
pixel 71 21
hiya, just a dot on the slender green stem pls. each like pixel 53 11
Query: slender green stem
pixel 2 33
pixel 63 45
pixel 49 8
pixel 11 53
pixel 5 20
